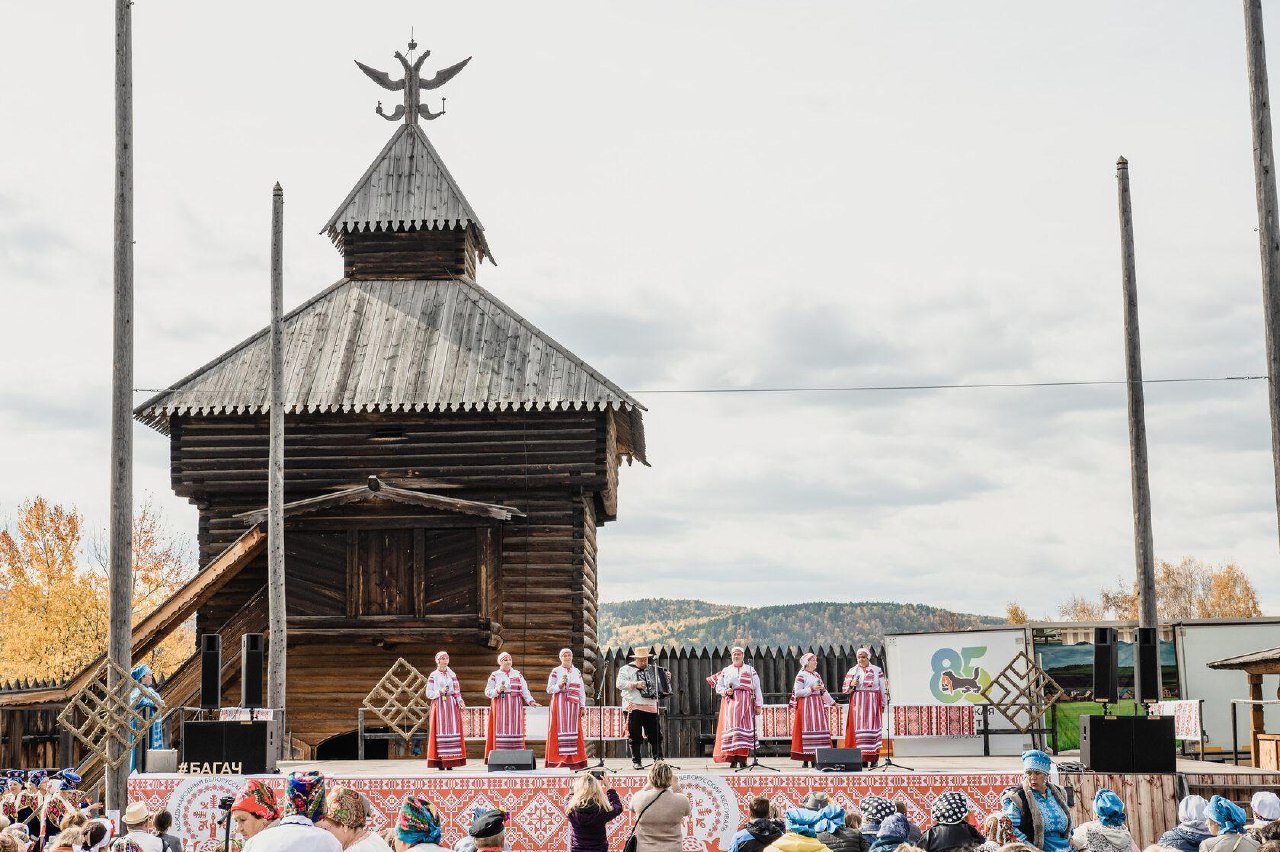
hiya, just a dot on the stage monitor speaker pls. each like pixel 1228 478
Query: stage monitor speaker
pixel 512 760
pixel 1154 749
pixel 251 652
pixel 1146 673
pixel 230 748
pixel 1106 743
pixel 210 671
pixel 838 759
pixel 1106 666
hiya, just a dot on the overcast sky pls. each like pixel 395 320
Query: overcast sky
pixel 710 195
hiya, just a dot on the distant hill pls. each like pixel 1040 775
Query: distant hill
pixel 661 621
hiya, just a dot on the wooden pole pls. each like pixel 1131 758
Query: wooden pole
pixel 1268 228
pixel 277 616
pixel 1141 486
pixel 120 542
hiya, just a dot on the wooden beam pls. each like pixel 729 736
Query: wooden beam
pixel 382 491
pixel 1257 719
pixel 277 612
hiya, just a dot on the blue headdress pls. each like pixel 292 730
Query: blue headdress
pixel 1109 808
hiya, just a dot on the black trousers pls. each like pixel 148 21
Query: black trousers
pixel 643 726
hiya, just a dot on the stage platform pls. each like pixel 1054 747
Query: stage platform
pixel 719 796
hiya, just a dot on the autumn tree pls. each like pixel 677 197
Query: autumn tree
pixel 53 609
pixel 1078 608
pixel 1014 613
pixel 1189 589
pixel 1228 594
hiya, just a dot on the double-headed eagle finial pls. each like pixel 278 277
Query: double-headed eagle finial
pixel 412 84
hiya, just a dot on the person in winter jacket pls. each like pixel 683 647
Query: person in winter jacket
pixel 1106 833
pixel 591 808
pixel 1226 822
pixel 828 822
pixel 950 831
pixel 799 837
pixel 1191 829
pixel 760 831
pixel 893 833
pixel 914 834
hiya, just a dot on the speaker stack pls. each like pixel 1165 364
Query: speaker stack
pixel 210 671
pixel 1106 666
pixel 1146 674
pixel 1127 744
pixel 251 651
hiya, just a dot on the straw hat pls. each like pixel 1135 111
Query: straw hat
pixel 640 654
pixel 136 813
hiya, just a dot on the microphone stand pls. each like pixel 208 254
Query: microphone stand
pixel 599 764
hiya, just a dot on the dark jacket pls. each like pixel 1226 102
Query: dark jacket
pixel 948 838
pixel 171 843
pixel 884 844
pixel 1183 839
pixel 588 826
pixel 844 839
pixel 757 835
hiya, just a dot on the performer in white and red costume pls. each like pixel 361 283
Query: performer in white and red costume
pixel 565 743
pixel 810 729
pixel 868 696
pixel 445 748
pixel 508 693
pixel 743 701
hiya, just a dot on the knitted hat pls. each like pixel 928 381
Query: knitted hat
pixel 304 795
pixel 256 798
pixel 1036 761
pixel 895 827
pixel 950 808
pixel 1109 808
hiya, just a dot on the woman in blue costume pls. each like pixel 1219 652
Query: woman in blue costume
pixel 1037 808
pixel 143 698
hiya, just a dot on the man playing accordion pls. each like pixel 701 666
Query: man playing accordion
pixel 641 686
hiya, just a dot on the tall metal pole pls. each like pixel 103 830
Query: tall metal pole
pixel 278 648
pixel 120 543
pixel 1142 544
pixel 1264 177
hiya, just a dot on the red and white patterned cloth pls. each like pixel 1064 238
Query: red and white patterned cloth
pixel 1186 718
pixel 934 720
pixel 777 719
pixel 613 719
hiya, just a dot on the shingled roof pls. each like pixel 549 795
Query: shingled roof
pixel 406 186
pixel 399 346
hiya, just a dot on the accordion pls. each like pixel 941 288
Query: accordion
pixel 657 681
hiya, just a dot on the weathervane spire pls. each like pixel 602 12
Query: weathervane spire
pixel 412 84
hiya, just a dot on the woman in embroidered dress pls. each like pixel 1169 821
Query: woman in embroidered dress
pixel 810 729
pixel 1038 809
pixel 868 697
pixel 31 797
pixel 445 748
pixel 13 788
pixel 54 810
pixel 508 694
pixel 565 743
pixel 743 701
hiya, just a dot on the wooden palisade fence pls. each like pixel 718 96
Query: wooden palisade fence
pixel 691 721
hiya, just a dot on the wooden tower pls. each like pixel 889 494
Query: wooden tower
pixel 447 464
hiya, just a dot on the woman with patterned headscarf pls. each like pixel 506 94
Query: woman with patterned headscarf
pixel 1037 808
pixel 951 829
pixel 508 694
pixel 445 748
pixel 1106 832
pixel 254 808
pixel 1226 821
pixel 998 830
pixel 297 831
pixel 868 697
pixel 418 826
pixel 346 817
pixel 1191 829
pixel 810 728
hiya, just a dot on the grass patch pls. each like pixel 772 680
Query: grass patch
pixel 1069 713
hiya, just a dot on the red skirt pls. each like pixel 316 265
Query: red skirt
pixel 809 730
pixel 565 719
pixel 445 746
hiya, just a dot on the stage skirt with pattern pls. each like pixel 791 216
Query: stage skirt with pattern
pixel 735 729
pixel 444 744
pixel 506 723
pixel 810 728
pixel 864 728
pixel 565 743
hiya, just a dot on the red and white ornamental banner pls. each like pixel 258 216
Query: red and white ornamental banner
pixel 536 800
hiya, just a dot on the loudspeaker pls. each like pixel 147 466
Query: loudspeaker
pixel 210 671
pixel 512 760
pixel 1106 666
pixel 248 746
pixel 1146 674
pixel 251 670
pixel 838 759
pixel 1106 743
pixel 1154 749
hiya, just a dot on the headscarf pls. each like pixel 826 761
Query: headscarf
pixel 503 656
pixel 125 844
pixel 345 807
pixel 876 809
pixel 256 798
pixel 1191 813
pixel 1265 806
pixel 140 671
pixel 418 822
pixel 804 661
pixel 738 648
pixel 304 795
pixel 950 808
pixel 862 652
pixel 1036 761
pixel 1002 830
pixel 440 654
pixel 895 827
pixel 1109 808
pixel 1226 814
pixel 70 779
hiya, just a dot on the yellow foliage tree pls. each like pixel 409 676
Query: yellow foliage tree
pixel 1189 589
pixel 1014 613
pixel 53 610
pixel 1228 594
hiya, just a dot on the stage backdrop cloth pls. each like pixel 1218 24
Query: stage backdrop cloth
pixel 536 800
pixel 1186 718
pixel 934 720
pixel 475 721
